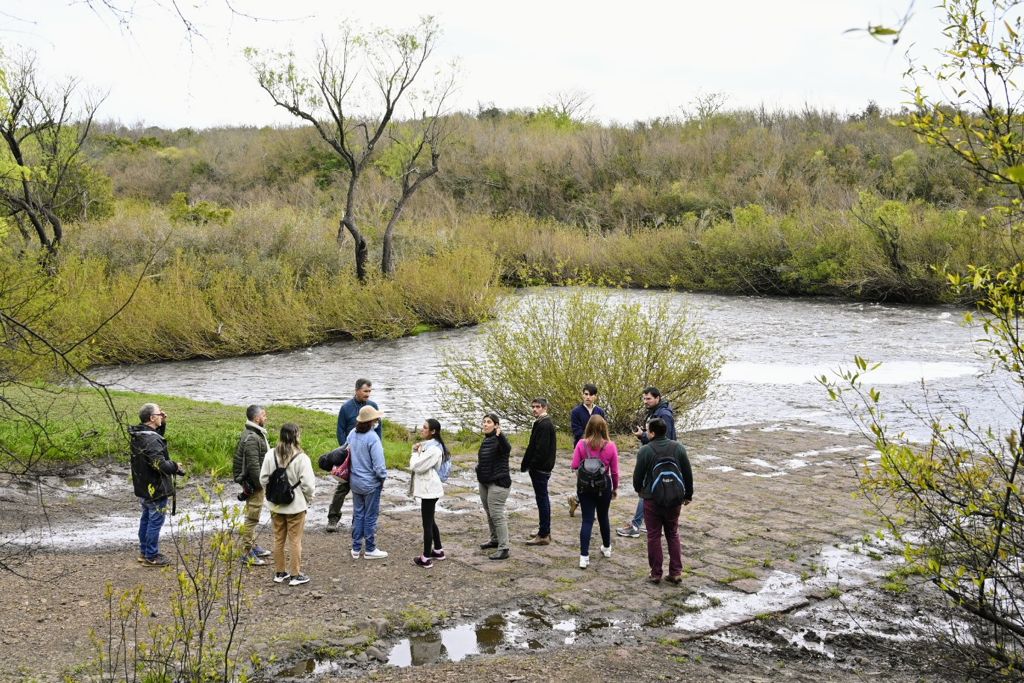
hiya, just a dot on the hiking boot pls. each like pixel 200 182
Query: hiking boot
pixel 332 527
pixel 584 561
pixel 500 555
pixel 156 561
pixel 533 534
pixel 606 551
pixel 488 545
pixel 438 554
pixel 539 540
pixel 675 580
pixel 424 562
pixel 375 554
pixel 298 580
pixel 573 504
pixel 628 531
pixel 141 559
pixel 281 577
pixel 651 578
pixel 261 552
pixel 253 560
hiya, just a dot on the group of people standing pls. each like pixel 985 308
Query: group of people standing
pixel 361 470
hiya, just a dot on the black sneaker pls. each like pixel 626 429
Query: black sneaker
pixel 157 561
pixel 424 562
pixel 500 555
pixel 298 580
pixel 281 577
pixel 438 554
pixel 489 545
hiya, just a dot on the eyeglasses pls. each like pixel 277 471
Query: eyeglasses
pixel 160 414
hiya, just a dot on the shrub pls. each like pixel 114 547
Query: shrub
pixel 549 347
pixel 451 289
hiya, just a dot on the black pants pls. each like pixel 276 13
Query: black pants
pixel 431 534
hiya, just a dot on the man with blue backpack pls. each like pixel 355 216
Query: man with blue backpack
pixel 663 479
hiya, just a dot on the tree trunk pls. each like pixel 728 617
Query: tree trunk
pixel 362 250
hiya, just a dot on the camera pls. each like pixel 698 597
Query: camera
pixel 246 493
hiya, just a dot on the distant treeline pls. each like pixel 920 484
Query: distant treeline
pixel 228 237
pixel 549 166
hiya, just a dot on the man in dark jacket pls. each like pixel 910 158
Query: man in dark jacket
pixel 578 419
pixel 659 447
pixel 346 423
pixel 152 472
pixel 539 461
pixel 252 446
pixel 656 408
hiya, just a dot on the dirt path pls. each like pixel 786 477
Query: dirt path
pixel 767 594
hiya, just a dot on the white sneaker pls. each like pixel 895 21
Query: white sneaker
pixel 584 561
pixel 606 551
pixel 356 554
pixel 377 554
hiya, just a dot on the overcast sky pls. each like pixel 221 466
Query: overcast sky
pixel 635 60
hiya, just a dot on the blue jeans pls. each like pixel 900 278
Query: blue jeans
pixel 153 513
pixel 540 491
pixel 638 518
pixel 591 504
pixel 365 510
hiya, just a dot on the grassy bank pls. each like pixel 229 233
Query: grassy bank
pixel 78 428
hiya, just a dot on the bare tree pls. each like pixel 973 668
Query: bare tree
pixel 574 105
pixel 351 98
pixel 414 160
pixel 43 131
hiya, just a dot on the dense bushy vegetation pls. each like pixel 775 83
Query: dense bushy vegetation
pixel 229 237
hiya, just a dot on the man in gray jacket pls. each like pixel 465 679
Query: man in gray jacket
pixel 252 447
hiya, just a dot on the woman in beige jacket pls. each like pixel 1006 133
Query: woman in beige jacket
pixel 426 485
pixel 289 520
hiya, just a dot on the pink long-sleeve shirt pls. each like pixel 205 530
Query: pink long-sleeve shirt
pixel 608 454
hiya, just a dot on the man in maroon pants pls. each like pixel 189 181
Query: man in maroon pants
pixel 663 479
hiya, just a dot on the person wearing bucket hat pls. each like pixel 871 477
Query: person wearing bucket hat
pixel 367 474
pixel 346 421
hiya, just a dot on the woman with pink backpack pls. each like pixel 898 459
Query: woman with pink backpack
pixel 596 462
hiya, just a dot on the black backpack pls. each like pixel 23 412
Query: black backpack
pixel 592 476
pixel 279 491
pixel 667 487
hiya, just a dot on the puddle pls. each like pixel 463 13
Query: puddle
pixel 840 568
pixel 521 629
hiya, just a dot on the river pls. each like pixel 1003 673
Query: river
pixel 775 348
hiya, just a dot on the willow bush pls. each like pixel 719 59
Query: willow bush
pixel 551 347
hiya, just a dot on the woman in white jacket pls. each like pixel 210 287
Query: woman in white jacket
pixel 289 520
pixel 425 484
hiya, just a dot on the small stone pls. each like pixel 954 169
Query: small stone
pixel 362 658
pixel 376 654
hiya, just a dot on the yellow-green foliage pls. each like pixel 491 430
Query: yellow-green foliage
pixel 545 347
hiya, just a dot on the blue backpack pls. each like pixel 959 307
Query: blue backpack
pixel 667 487
pixel 444 468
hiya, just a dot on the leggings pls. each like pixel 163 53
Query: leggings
pixel 431 534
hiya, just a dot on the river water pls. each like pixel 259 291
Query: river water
pixel 775 349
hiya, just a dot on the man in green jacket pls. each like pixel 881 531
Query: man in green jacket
pixel 656 518
pixel 253 444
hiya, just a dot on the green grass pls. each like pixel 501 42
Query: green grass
pixel 201 435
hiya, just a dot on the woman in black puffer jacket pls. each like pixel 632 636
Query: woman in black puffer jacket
pixel 492 473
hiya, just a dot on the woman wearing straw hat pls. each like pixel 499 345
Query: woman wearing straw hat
pixel 368 472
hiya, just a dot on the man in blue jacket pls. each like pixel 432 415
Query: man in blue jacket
pixel 346 423
pixel 656 408
pixel 578 419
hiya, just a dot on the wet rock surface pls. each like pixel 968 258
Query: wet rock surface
pixel 782 577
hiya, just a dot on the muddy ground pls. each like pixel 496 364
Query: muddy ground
pixel 783 581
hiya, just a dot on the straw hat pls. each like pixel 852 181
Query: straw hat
pixel 367 414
